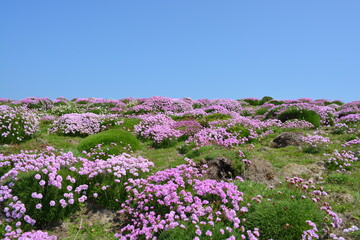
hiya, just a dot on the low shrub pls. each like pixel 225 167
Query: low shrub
pixel 35 195
pixel 112 142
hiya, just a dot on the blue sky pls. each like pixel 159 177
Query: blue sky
pixel 188 48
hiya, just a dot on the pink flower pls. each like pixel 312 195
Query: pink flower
pixel 42 183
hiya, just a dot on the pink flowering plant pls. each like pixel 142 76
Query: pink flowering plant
pixel 341 161
pixel 177 200
pixel 47 119
pixel 42 188
pixel 36 235
pixel 17 124
pixel 160 129
pixel 214 136
pixel 314 143
pixel 106 178
pixel 39 188
pixel 77 124
pixel 187 128
pixel 84 124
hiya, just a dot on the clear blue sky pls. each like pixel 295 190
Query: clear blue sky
pixel 181 48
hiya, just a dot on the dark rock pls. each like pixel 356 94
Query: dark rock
pixel 219 168
pixel 287 139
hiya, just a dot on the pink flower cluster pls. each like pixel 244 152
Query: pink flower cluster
pixel 173 197
pixel 157 128
pixel 348 108
pixel 352 143
pixel 34 235
pixel 118 166
pixel 76 123
pixel 161 105
pixel 217 136
pixel 47 118
pixel 295 123
pixel 83 123
pixel 47 166
pixel 340 161
pixel 187 128
pixel 17 124
pixel 352 118
pixel 317 197
pixel 314 141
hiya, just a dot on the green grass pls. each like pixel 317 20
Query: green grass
pixel 282 217
pixel 80 229
pixel 337 183
pixel 163 158
pixel 281 157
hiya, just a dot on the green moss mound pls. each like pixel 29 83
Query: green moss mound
pixel 282 213
pixel 300 114
pixel 125 142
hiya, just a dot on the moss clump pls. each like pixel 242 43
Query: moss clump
pixel 300 114
pixel 113 142
pixel 284 215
